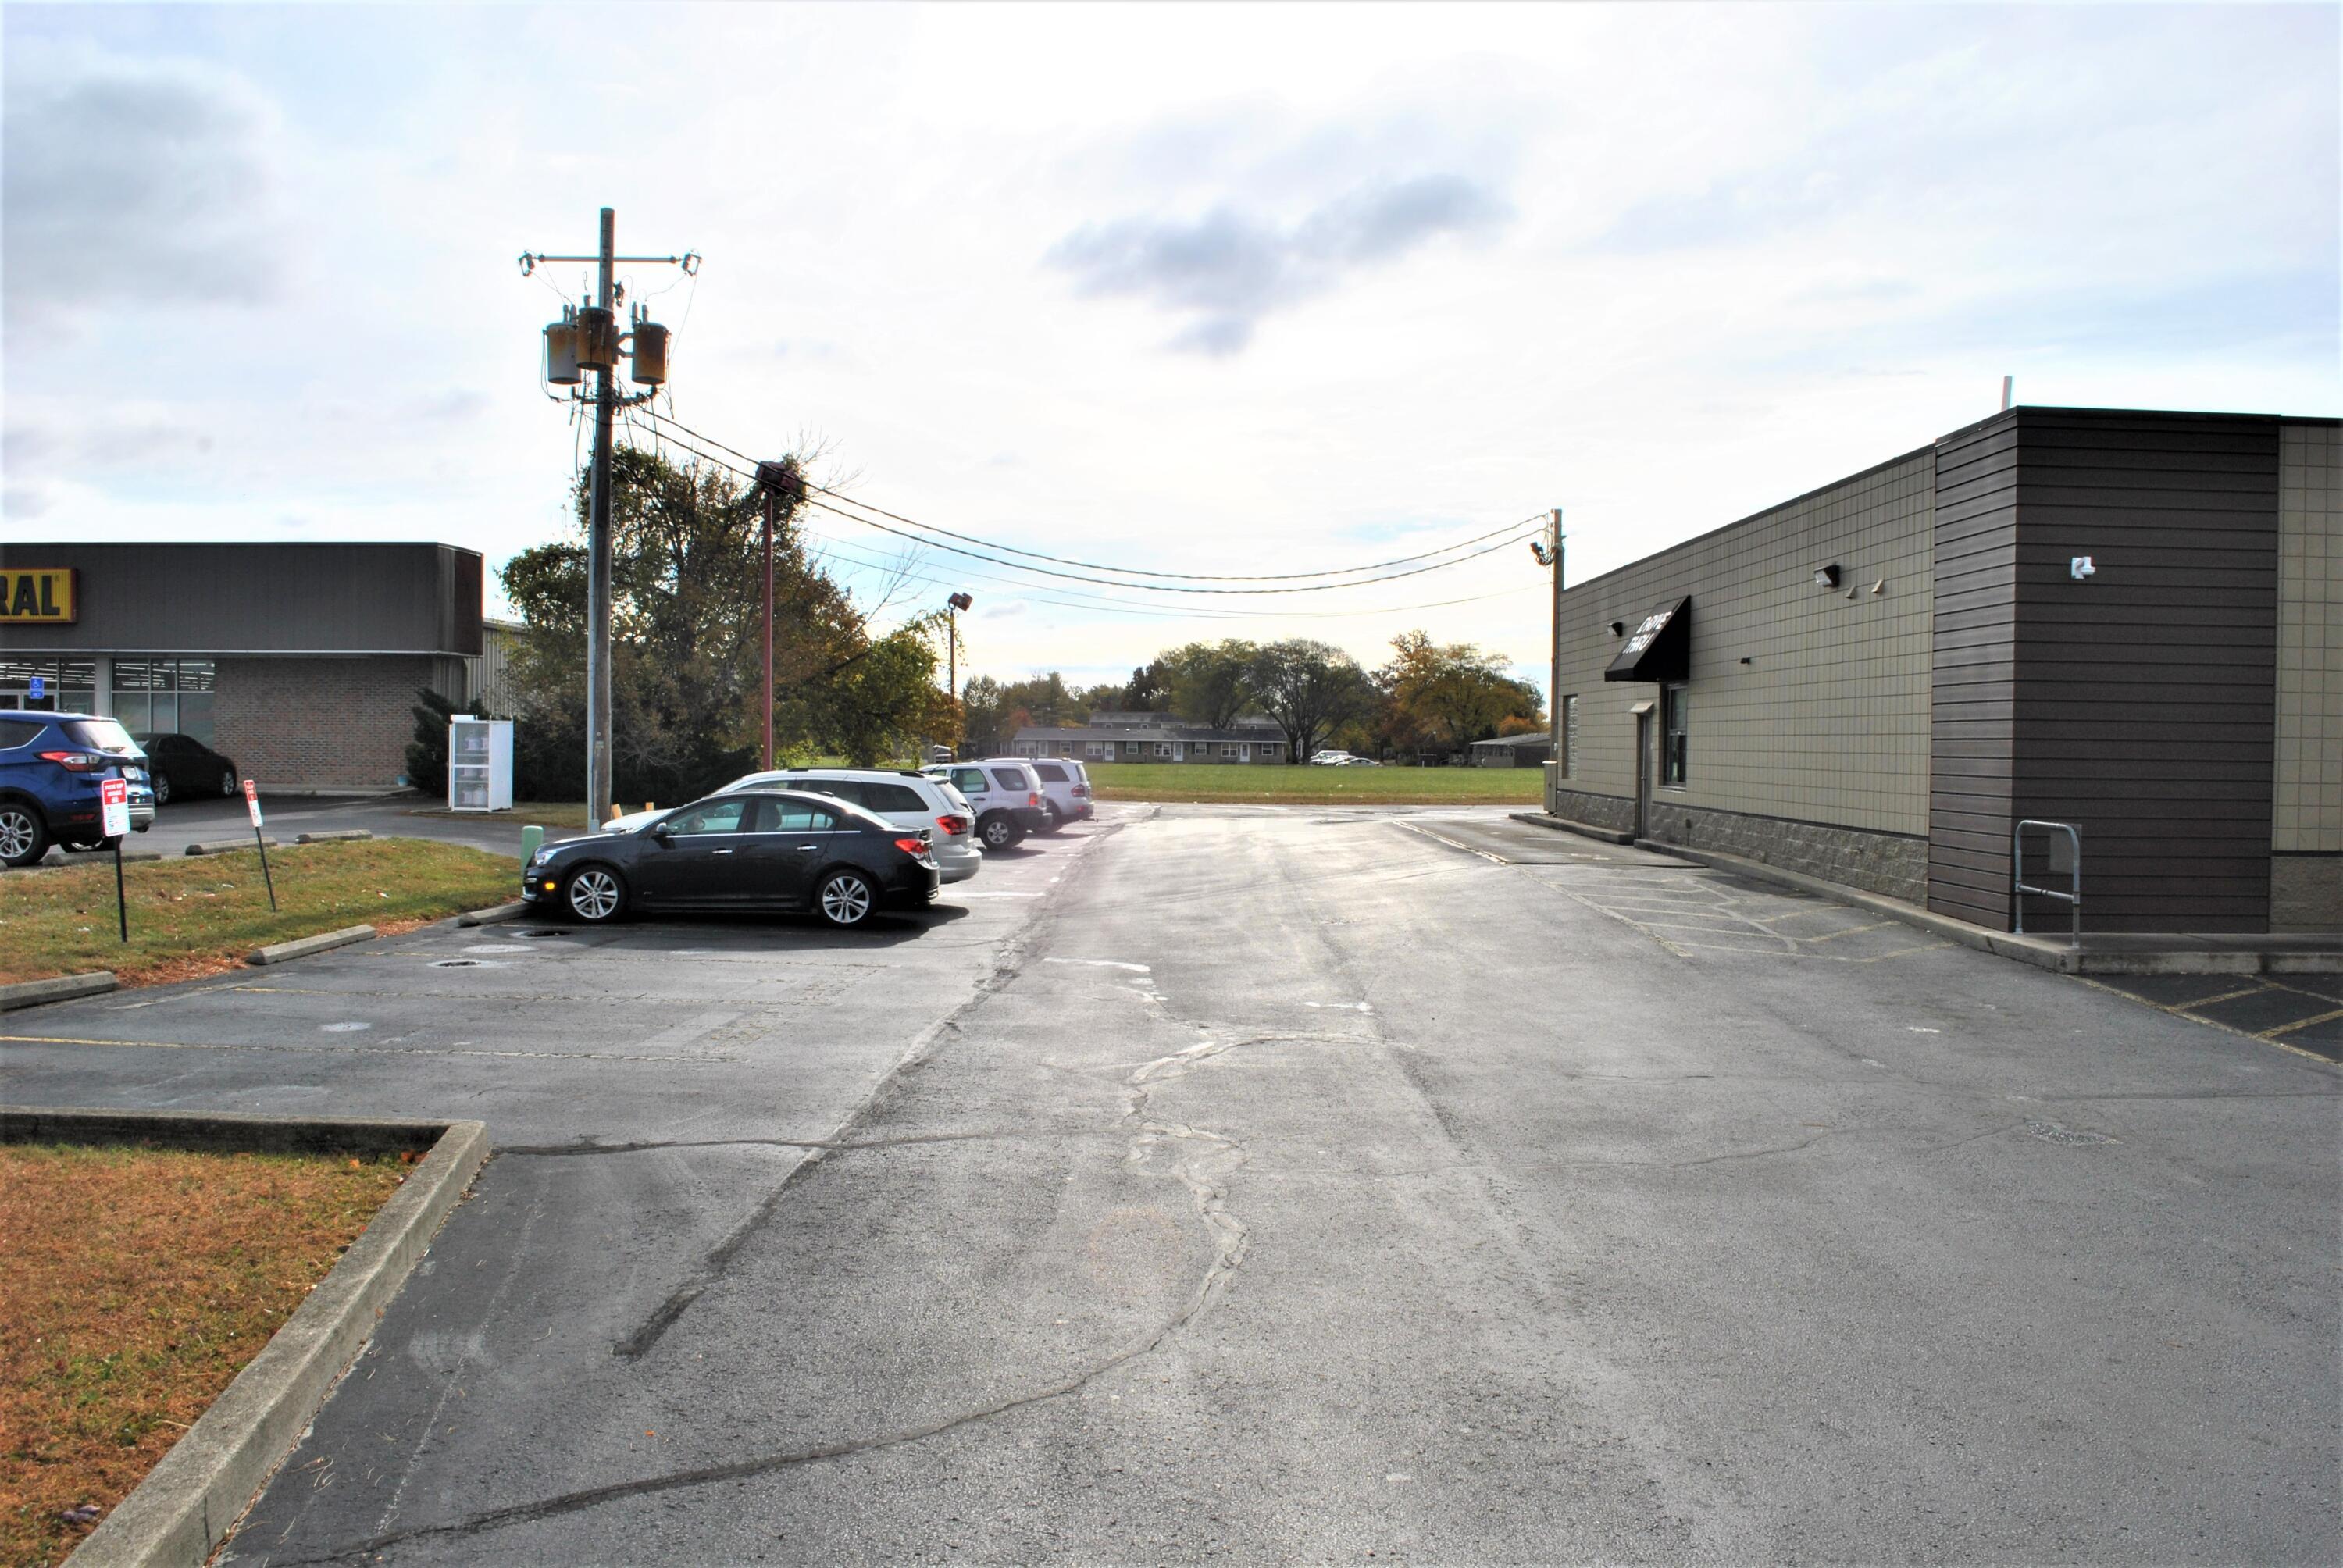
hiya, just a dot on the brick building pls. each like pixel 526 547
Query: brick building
pixel 299 661
pixel 2128 621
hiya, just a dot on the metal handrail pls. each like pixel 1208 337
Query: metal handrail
pixel 2018 888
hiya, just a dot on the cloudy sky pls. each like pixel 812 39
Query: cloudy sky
pixel 1205 289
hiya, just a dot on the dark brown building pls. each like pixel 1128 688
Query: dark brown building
pixel 300 661
pixel 2131 622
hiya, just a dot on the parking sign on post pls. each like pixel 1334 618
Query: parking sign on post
pixel 252 804
pixel 114 822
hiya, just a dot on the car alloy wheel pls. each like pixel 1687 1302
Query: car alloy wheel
pixel 162 782
pixel 227 783
pixel 23 839
pixel 594 894
pixel 845 899
pixel 999 832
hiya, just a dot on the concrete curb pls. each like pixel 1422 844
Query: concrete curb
pixel 61 988
pixel 100 857
pixel 1564 825
pixel 187 1503
pixel 302 946
pixel 2042 952
pixel 226 846
pixel 335 836
pixel 490 916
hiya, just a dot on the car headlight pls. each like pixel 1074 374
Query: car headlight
pixel 540 857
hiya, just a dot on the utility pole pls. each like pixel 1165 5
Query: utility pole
pixel 952 607
pixel 778 481
pixel 589 337
pixel 1553 683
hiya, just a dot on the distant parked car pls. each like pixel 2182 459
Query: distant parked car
pixel 1005 794
pixel 740 850
pixel 1330 759
pixel 50 766
pixel 905 800
pixel 182 765
pixel 1065 788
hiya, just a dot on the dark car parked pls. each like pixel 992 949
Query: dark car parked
pixel 51 765
pixel 182 765
pixel 748 850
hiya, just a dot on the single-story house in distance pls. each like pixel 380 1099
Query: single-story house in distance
pixel 1153 737
pixel 1511 752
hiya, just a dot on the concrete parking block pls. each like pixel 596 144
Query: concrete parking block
pixel 302 946
pixel 492 914
pixel 60 988
pixel 225 846
pixel 334 835
pixel 189 1501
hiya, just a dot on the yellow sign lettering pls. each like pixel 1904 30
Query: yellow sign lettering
pixel 47 596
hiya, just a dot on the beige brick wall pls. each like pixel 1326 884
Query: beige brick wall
pixel 303 723
pixel 2307 798
pixel 1829 722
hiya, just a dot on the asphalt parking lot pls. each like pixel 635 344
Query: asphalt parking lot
pixel 1258 1184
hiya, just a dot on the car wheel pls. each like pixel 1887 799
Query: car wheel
pixel 23 837
pixel 1057 819
pixel 998 832
pixel 595 894
pixel 162 782
pixel 846 899
pixel 227 783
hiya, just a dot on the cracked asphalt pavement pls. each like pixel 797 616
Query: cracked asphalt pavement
pixel 1265 1184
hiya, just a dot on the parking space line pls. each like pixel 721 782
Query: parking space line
pixel 368 1050
pixel 2176 1010
pixel 2298 1023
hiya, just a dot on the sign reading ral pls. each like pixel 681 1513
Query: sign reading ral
pixel 39 595
pixel 252 800
pixel 114 807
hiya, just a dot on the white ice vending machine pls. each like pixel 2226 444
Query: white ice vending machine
pixel 479 764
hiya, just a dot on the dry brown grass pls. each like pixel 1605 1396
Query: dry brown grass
pixel 198 916
pixel 138 1284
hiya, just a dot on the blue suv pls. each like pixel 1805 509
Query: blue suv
pixel 51 765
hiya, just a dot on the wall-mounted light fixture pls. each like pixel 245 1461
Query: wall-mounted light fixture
pixel 1827 577
pixel 2080 568
pixel 1618 628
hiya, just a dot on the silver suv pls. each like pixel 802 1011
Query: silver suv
pixel 905 800
pixel 1004 792
pixel 1065 788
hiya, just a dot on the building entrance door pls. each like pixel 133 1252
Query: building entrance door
pixel 1643 772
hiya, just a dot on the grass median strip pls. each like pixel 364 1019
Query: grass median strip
pixel 189 917
pixel 1272 784
pixel 139 1282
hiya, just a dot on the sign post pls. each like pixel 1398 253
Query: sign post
pixel 114 822
pixel 252 804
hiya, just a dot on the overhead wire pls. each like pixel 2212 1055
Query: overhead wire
pixel 686 444
pixel 1510 528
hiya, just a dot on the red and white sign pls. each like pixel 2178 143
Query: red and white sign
pixel 114 805
pixel 252 800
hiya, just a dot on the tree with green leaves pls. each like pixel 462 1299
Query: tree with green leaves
pixel 1310 688
pixel 687 621
pixel 1210 682
pixel 1443 697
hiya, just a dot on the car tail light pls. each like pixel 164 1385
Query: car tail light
pixel 915 848
pixel 951 827
pixel 1033 801
pixel 78 761
pixel 1081 791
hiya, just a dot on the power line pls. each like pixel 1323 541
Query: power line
pixel 1511 528
pixel 1520 532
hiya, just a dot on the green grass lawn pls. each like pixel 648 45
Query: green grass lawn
pixel 200 914
pixel 1280 785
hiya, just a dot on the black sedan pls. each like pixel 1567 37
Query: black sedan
pixel 750 850
pixel 182 766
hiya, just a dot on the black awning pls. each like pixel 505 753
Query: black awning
pixel 1659 649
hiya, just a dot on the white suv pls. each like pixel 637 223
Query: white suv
pixel 1065 789
pixel 905 800
pixel 1006 794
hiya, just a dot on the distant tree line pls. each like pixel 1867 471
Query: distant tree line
pixel 1429 702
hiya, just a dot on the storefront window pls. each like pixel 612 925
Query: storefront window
pixel 1674 724
pixel 164 697
pixel 67 684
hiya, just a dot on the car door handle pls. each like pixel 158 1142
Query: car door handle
pixel 719 851
pixel 808 846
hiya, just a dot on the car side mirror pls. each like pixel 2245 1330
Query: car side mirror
pixel 662 832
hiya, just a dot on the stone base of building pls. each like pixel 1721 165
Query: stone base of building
pixel 1594 810
pixel 2306 892
pixel 1892 864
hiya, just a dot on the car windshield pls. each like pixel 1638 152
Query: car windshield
pixel 98 735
